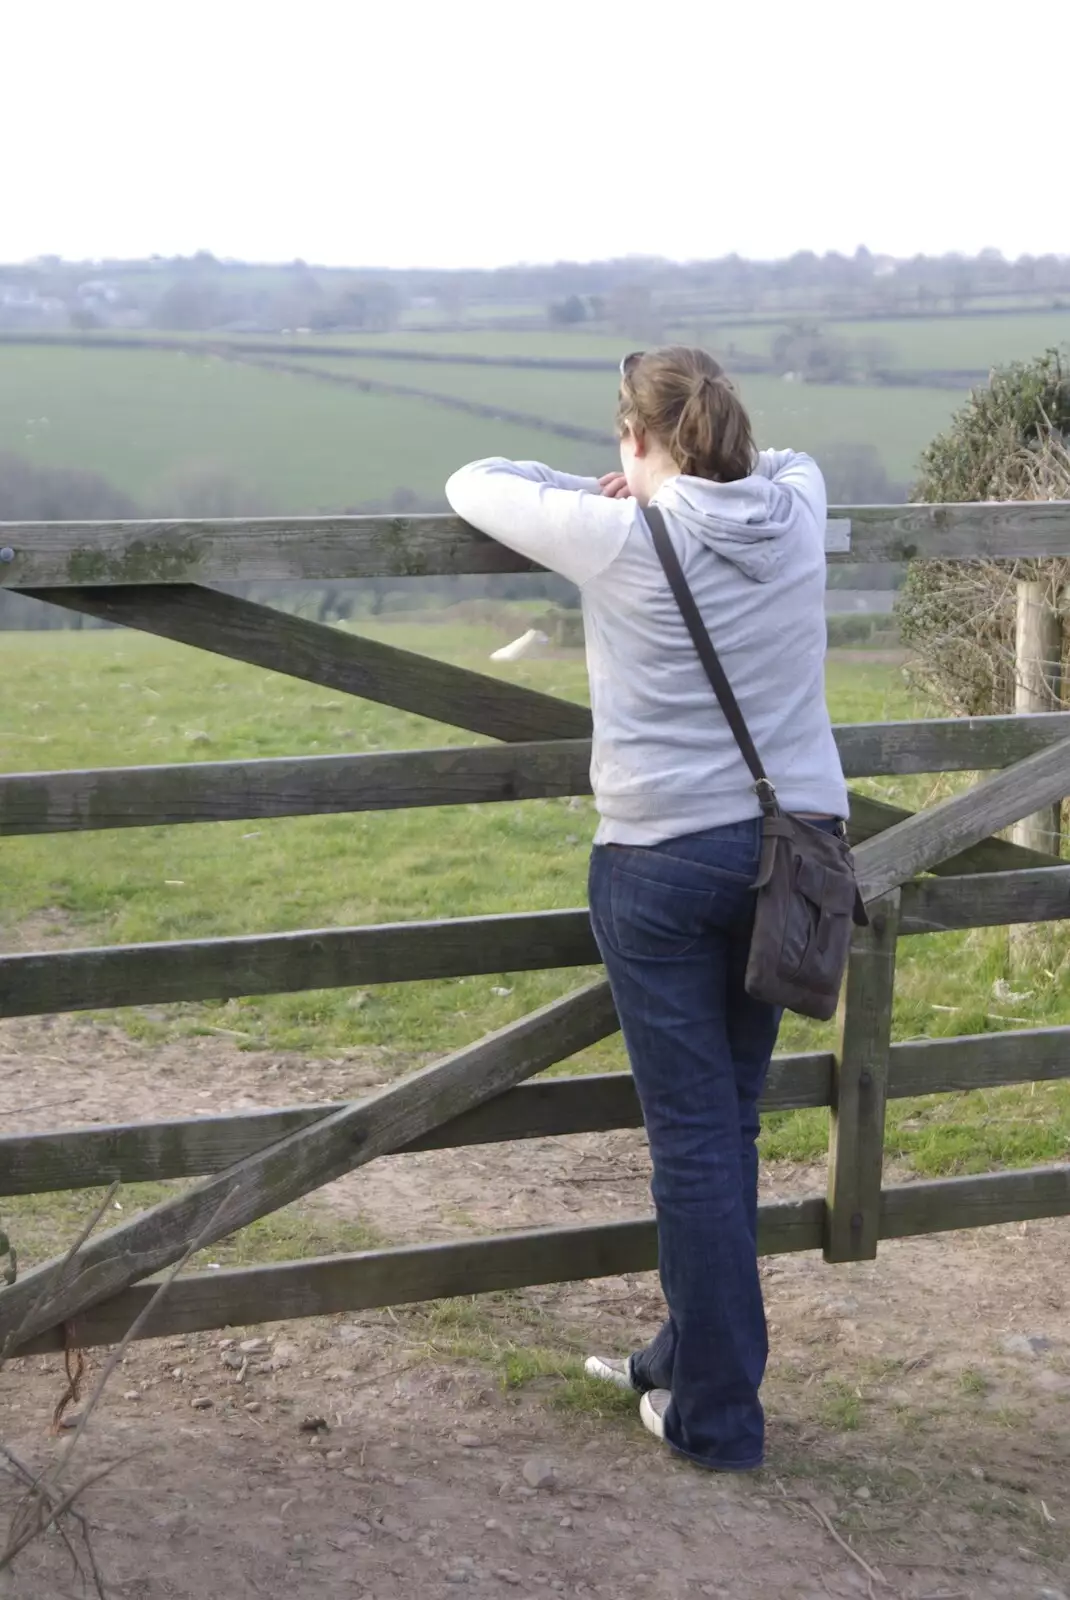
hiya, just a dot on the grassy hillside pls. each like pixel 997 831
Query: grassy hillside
pixel 142 417
pixel 898 422
pixel 964 343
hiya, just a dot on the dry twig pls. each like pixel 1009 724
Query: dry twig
pixel 44 1504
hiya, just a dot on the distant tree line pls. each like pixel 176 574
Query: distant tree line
pixel 637 296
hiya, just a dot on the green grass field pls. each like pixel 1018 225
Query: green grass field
pixel 149 420
pixel 143 418
pixel 899 422
pixel 78 700
pixel 920 344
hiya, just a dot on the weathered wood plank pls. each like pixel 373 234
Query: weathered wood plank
pixel 289 786
pixel 242 630
pixel 35 1163
pixel 859 1089
pixel 409 1275
pixel 191 1147
pixel 945 744
pixel 1038 651
pixel 931 837
pixel 986 900
pixel 281 963
pixel 309 1158
pixel 979 1061
pixel 967 532
pixel 871 817
pixel 213 550
pixel 219 791
pixel 251 1295
pixel 914 1208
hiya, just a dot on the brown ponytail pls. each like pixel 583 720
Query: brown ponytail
pixel 682 397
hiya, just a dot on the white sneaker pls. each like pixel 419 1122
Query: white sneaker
pixel 652 1409
pixel 609 1370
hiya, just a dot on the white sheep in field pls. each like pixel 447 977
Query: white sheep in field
pixel 520 647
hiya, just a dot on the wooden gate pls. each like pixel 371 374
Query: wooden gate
pixel 939 869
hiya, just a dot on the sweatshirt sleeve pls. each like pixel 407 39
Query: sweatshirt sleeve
pixel 558 520
pixel 801 474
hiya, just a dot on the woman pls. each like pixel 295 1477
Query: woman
pixel 677 847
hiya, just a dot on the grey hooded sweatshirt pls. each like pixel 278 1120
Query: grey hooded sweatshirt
pixel 664 761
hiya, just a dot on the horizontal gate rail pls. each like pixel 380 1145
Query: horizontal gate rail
pixel 361 1282
pixel 405 952
pixel 245 549
pixel 291 786
pixel 193 1147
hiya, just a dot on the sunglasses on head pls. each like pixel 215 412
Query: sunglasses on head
pixel 628 365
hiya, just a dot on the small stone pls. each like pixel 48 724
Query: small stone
pixel 863 1493
pixel 978 1473
pixel 566 1522
pixel 284 1355
pixel 252 1406
pixel 178 1373
pixel 539 1473
pixel 334 1458
pixel 507 1575
pixel 254 1347
pixel 468 1441
pixel 227 1344
pixel 132 1394
pixel 202 1402
pixel 70 1420
pixel 1030 1345
pixel 395 1526
pixel 362 1525
pixel 1050 1594
pixel 313 1425
pixel 233 1359
pixel 458 1575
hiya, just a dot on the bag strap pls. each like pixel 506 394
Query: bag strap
pixel 711 661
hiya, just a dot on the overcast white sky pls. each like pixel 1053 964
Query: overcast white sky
pixel 480 132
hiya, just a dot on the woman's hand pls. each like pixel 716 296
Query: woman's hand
pixel 614 486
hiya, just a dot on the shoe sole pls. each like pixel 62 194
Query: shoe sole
pixel 652 1420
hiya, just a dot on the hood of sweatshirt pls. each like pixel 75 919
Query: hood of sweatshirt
pixel 748 523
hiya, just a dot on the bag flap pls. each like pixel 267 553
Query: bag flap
pixel 834 893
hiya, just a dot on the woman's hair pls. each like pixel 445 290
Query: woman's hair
pixel 682 398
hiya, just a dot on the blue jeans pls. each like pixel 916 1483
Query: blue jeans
pixel 673 925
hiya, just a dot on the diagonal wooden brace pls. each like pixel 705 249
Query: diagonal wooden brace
pixel 308 1159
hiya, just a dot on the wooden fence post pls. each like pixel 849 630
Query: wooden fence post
pixel 1038 648
pixel 860 1087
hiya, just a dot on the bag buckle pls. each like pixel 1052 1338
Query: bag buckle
pixel 766 797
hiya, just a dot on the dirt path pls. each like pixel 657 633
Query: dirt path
pixel 919 1406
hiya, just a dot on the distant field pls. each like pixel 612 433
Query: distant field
pixel 117 699
pixel 966 343
pixel 143 417
pixel 898 422
pixel 934 344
